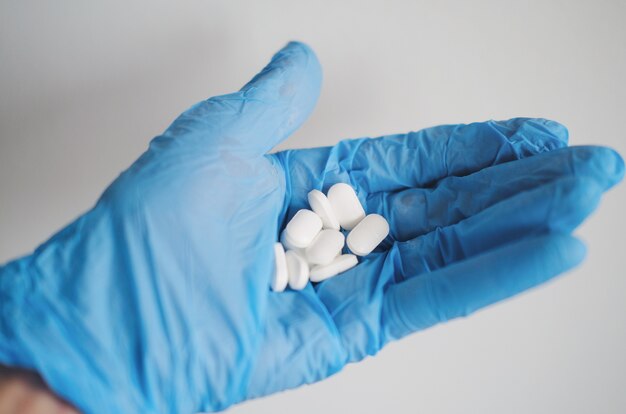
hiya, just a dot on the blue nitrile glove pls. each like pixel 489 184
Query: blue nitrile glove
pixel 157 300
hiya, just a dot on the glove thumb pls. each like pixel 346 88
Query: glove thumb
pixel 260 115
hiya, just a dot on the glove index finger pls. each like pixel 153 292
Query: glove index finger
pixel 419 159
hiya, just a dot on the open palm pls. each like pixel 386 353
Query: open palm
pixel 472 221
pixel 158 300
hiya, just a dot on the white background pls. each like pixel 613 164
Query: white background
pixel 85 86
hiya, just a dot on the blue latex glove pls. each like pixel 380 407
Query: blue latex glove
pixel 157 300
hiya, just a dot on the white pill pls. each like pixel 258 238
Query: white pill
pixel 298 270
pixel 325 247
pixel 281 278
pixel 302 228
pixel 288 244
pixel 368 234
pixel 346 205
pixel 321 206
pixel 340 264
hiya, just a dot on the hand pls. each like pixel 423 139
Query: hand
pixel 23 392
pixel 157 299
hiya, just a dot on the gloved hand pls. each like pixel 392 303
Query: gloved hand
pixel 157 299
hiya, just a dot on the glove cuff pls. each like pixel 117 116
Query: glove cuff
pixel 15 285
pixel 36 335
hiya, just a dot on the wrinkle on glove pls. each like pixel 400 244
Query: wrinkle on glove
pixel 157 299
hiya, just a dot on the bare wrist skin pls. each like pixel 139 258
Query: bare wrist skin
pixel 25 392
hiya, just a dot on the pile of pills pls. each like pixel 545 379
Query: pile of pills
pixel 312 243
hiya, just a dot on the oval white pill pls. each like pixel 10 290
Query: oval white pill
pixel 321 206
pixel 346 205
pixel 302 228
pixel 340 264
pixel 281 278
pixel 298 270
pixel 368 234
pixel 289 245
pixel 325 247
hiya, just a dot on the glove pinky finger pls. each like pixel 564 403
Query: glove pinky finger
pixel 466 286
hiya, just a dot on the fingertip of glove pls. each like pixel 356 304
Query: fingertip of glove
pixel 604 163
pixel 304 55
pixel 550 129
pixel 575 249
pixel 297 47
pixel 293 52
pixel 570 250
pixel 617 170
pixel 536 135
pixel 290 84
pixel 296 61
pixel 556 129
pixel 310 64
pixel 610 163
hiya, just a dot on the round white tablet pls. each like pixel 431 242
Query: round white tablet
pixel 340 264
pixel 345 205
pixel 321 206
pixel 302 228
pixel 298 270
pixel 281 278
pixel 367 234
pixel 325 247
